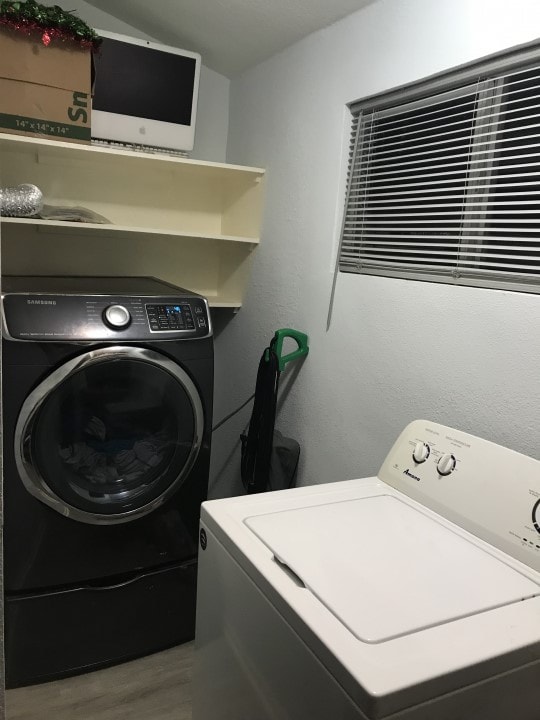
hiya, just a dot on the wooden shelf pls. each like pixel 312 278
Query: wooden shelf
pixel 191 223
pixel 114 155
pixel 79 229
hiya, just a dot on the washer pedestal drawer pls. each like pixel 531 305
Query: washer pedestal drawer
pixel 60 633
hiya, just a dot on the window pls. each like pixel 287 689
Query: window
pixel 444 179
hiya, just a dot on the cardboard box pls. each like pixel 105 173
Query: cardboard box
pixel 44 91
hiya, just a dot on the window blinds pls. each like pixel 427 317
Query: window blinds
pixel 447 186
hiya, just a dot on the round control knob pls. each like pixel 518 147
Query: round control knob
pixel 421 452
pixel 117 317
pixel 446 464
pixel 536 516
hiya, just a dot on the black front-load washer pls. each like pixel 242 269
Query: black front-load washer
pixel 107 410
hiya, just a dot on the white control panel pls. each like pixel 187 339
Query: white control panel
pixel 487 489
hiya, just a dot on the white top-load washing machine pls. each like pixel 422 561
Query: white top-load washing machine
pixel 413 595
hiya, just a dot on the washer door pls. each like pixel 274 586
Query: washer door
pixel 110 435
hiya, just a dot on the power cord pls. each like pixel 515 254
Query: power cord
pixel 230 415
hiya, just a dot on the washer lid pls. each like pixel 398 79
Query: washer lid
pixel 386 569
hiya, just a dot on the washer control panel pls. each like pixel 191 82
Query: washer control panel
pixel 70 317
pixel 164 318
pixel 487 489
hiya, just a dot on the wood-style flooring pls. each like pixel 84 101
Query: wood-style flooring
pixel 157 687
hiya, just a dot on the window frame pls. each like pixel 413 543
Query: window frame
pixel 421 92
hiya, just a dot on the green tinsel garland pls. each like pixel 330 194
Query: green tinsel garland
pixel 51 22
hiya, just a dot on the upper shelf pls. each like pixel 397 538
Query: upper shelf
pixel 136 189
pixel 192 223
pixel 75 152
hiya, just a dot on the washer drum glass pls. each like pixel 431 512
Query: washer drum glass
pixel 110 435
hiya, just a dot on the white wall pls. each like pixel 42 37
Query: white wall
pixel 396 350
pixel 213 109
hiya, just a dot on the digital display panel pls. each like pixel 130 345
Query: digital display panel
pixel 170 317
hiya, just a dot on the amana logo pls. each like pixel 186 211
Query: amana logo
pixel 414 477
pixel 41 302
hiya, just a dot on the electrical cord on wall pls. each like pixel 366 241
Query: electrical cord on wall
pixel 230 415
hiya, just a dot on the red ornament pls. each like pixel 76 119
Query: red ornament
pixel 46 38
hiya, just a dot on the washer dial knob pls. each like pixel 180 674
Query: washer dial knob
pixel 446 464
pixel 116 317
pixel 536 516
pixel 421 452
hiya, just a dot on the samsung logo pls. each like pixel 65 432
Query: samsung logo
pixel 409 474
pixel 41 302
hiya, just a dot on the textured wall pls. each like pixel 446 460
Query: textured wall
pixel 396 349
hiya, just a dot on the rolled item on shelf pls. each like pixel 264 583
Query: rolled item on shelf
pixel 21 201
